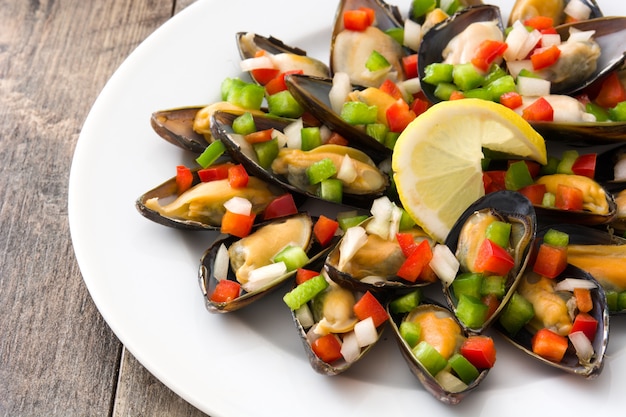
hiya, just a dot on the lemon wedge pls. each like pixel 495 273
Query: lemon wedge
pixel 436 161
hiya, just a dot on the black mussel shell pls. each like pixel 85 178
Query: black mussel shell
pixel 176 127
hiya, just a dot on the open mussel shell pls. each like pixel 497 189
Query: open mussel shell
pixel 429 382
pixel 570 362
pixel 210 217
pixel 305 331
pixel 524 9
pixel 600 253
pixel 438 37
pixel 312 94
pixel 375 269
pixel 511 207
pixel 610 33
pixel 250 252
pixel 176 127
pixel 582 133
pixel 249 47
pixel 242 152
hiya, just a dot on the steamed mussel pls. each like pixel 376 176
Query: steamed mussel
pixel 492 241
pixel 257 263
pixel 561 11
pixel 436 349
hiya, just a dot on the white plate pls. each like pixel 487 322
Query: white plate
pixel 142 276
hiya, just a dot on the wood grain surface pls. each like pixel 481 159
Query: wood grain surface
pixel 57 355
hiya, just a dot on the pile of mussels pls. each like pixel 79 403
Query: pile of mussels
pixel 354 259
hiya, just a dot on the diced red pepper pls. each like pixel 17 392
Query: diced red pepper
pixel 407 243
pixel 534 193
pixel 551 260
pixel 612 92
pixel 568 198
pixel 358 19
pixel 549 345
pixel 493 258
pixel 336 139
pixel 238 176
pixel 584 303
pixel 539 111
pixel 419 105
pixel 428 274
pixel 586 323
pixel 391 88
pixel 226 290
pixel 545 57
pixel 327 348
pixel 480 351
pixel 259 136
pixel 549 31
pixel 324 230
pixel 512 100
pixel 412 267
pixel 184 179
pixel 492 302
pixel 409 64
pixel 283 205
pixel 488 51
pixel 585 165
pixel 263 75
pixel 399 115
pixel 277 84
pixel 369 306
pixel 215 172
pixel 456 95
pixel 236 224
pixel 303 275
pixel 539 22
pixel 494 181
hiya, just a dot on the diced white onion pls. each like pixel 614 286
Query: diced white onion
pixel 382 211
pixel 577 9
pixel 260 277
pixel 550 39
pixel 221 263
pixel 533 87
pixel 450 382
pixel 520 42
pixel 569 284
pixel 293 133
pixel 304 316
pixel 339 91
pixel 280 137
pixel 354 238
pixel 259 62
pixel 347 170
pixel 325 133
pixel 411 86
pixel 515 67
pixel 350 349
pixel 619 170
pixel 582 345
pixel 412 34
pixel 580 35
pixel 239 205
pixel 444 264
pixel 365 332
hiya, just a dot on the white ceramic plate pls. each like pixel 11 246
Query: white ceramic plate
pixel 143 276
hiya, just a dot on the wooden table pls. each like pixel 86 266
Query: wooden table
pixel 57 355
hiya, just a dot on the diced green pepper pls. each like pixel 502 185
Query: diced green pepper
pixel 494 284
pixel 466 76
pixel 377 130
pixel 321 170
pixel 463 368
pixel 502 85
pixel 266 152
pixel 358 113
pixel 550 167
pixel 468 283
pixel 346 222
pixel 556 238
pixel 438 73
pixel 611 300
pixel 331 190
pixel 443 91
pixel 621 301
pixel 419 8
pixel 283 104
pixel 618 113
pixel 429 357
pixel 549 200
pixel 311 138
pixel 567 160
pixel 499 232
pixel 517 312
pixel 471 311
pixel 406 302
pixel 517 176
pixel 211 153
pixel 524 72
pixel 391 138
pixel 410 332
pixel 229 84
pixel 406 221
pixel 481 93
pixel 495 72
pixel 293 256
pixel 601 114
pixel 397 34
pixel 244 124
pixel 305 292
pixel 376 62
pixel 450 6
pixel 246 95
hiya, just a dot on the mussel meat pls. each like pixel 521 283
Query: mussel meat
pixel 555 9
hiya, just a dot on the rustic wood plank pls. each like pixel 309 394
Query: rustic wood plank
pixel 57 356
